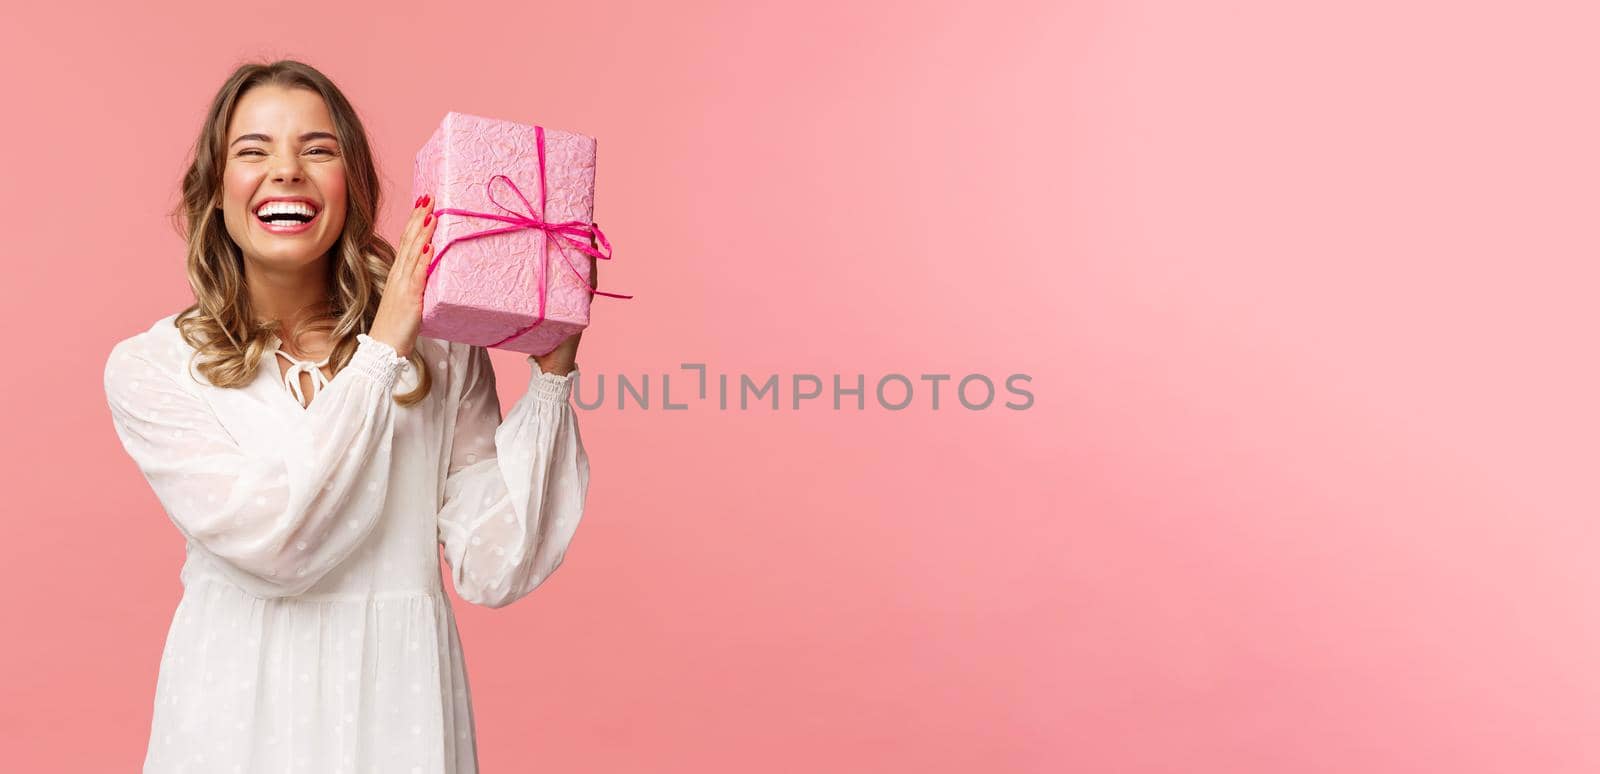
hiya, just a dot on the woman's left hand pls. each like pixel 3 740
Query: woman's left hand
pixel 561 360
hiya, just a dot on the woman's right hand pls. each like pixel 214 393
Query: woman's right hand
pixel 399 316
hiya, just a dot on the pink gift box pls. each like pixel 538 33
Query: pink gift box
pixel 485 290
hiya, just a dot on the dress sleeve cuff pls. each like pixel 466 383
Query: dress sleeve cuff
pixel 377 360
pixel 548 386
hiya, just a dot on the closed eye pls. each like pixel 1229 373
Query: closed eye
pixel 325 151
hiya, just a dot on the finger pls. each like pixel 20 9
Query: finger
pixel 403 259
pixel 425 248
pixel 425 252
pixel 408 239
pixel 419 271
pixel 430 224
pixel 594 264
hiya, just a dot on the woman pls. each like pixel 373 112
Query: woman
pixel 315 453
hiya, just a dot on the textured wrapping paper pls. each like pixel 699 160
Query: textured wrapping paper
pixel 483 290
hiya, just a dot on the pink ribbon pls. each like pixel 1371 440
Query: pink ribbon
pixel 569 233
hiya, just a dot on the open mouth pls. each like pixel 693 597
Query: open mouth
pixel 282 217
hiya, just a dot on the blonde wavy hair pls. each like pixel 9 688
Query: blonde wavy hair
pixel 221 325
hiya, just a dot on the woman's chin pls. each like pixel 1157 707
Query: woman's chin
pixel 287 257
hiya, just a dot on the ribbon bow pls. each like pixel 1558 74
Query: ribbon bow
pixel 572 233
pixel 291 377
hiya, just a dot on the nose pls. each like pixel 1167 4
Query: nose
pixel 286 168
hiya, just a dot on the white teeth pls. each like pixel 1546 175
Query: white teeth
pixel 280 208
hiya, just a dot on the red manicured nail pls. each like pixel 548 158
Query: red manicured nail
pixel 426 198
pixel 428 219
pixel 426 248
pixel 417 203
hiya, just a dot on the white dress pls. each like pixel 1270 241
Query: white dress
pixel 313 634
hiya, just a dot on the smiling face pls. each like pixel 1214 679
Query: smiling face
pixel 283 152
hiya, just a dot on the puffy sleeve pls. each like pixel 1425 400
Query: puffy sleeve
pixel 514 490
pixel 281 518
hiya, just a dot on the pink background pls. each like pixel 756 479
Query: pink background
pixel 1306 291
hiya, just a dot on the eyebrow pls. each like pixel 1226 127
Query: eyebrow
pixel 308 136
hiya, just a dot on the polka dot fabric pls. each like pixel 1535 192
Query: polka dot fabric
pixel 313 633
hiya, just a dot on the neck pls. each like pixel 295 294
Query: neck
pixel 288 296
